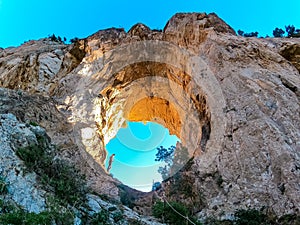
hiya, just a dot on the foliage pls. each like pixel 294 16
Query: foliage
pixel 118 216
pixel 174 159
pixel 61 215
pixel 255 217
pixel 156 186
pixel 251 217
pixel 163 211
pixel 289 219
pixel 57 39
pixel 290 30
pixel 10 213
pixel 7 207
pixel 66 182
pixel 181 157
pixel 240 32
pixel 251 34
pixel 34 156
pixel 164 154
pixel 101 218
pixel 133 221
pixel 3 186
pixel 164 171
pixel 74 40
pixel 20 217
pixel 278 32
pixel 182 188
pixel 32 123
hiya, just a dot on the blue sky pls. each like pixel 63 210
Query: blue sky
pixel 32 19
pixel 135 147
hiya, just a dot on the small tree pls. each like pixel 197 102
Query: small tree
pixel 290 29
pixel 278 32
pixel 174 160
pixel 240 32
pixel 53 37
pixel 165 155
pixel 75 39
pixel 251 34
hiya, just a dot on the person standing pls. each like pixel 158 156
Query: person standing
pixel 111 159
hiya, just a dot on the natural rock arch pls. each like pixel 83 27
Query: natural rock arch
pixel 102 100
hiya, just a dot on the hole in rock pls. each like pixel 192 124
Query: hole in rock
pixel 141 154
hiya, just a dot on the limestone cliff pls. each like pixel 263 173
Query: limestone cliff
pixel 233 101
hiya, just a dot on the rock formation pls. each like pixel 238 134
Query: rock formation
pixel 233 101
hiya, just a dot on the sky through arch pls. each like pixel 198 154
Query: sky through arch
pixel 135 148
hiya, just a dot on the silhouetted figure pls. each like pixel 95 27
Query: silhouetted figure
pixel 111 159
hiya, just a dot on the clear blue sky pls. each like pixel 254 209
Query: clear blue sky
pixel 135 147
pixel 22 20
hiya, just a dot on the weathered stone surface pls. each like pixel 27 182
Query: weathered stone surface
pixel 292 53
pixel 36 65
pixel 237 101
pixel 52 116
pixel 190 31
pixel 96 205
pixel 22 187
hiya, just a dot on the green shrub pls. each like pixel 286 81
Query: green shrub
pixel 278 32
pixel 6 206
pixel 118 216
pixel 11 213
pixel 66 182
pixel 20 217
pixel 3 186
pixel 56 175
pixel 34 157
pixel 60 214
pixel 133 221
pixel 101 218
pixel 74 40
pixel 126 196
pixel 251 217
pixel 166 213
pixel 289 219
pixel 32 123
pixel 255 217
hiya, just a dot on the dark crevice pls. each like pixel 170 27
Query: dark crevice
pixel 290 86
pixel 291 53
pixel 206 129
pixel 281 188
pixel 78 51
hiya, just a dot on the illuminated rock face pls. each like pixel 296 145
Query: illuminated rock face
pixel 156 109
pixel 233 101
